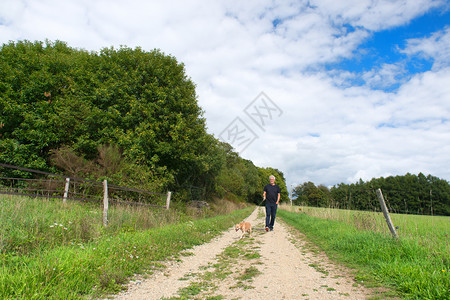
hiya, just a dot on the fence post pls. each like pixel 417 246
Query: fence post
pixel 105 202
pixel 66 190
pixel 168 200
pixel 386 214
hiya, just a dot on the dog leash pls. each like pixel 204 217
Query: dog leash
pixel 261 202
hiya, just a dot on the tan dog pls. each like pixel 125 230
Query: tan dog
pixel 244 227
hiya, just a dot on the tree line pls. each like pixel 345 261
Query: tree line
pixel 127 115
pixel 412 194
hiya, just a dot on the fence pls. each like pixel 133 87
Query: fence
pixel 71 188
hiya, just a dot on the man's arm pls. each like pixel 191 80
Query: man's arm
pixel 278 200
pixel 264 195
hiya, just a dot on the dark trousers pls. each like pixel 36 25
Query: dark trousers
pixel 271 211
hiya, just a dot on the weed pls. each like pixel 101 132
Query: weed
pixel 319 269
pixel 249 273
pixel 188 276
pixel 231 252
pixel 252 255
pixel 219 297
pixel 241 285
pixel 193 289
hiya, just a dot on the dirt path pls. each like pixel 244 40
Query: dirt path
pixel 272 265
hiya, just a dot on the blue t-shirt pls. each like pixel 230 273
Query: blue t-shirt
pixel 272 192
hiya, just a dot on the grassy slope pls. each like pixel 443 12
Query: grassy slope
pixel 74 260
pixel 405 265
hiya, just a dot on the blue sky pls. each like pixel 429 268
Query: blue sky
pixel 384 47
pixel 363 85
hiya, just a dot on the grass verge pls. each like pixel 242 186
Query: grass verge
pixel 102 263
pixel 404 265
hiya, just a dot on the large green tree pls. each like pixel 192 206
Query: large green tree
pixel 53 95
pixel 127 114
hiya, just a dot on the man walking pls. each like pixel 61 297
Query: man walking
pixel 272 195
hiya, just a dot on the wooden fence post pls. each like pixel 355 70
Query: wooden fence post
pixel 386 214
pixel 105 202
pixel 66 190
pixel 168 200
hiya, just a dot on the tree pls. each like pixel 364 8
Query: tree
pixel 143 102
pixel 417 194
pixel 309 194
pixel 113 113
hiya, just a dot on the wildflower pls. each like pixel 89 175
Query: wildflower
pixel 52 226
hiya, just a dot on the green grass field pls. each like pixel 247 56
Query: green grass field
pixel 431 232
pixel 417 265
pixel 52 250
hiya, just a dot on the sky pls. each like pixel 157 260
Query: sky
pixel 325 91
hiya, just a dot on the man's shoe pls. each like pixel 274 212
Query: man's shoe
pixel 267 229
pixel 271 229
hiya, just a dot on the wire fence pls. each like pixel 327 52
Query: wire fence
pixel 425 202
pixel 58 186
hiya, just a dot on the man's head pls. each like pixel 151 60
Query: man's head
pixel 272 179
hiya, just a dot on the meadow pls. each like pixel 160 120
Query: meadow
pixel 53 250
pixel 416 265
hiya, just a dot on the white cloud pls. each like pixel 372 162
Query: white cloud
pixel 385 76
pixel 436 47
pixel 375 15
pixel 330 131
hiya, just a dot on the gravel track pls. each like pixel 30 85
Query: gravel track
pixel 285 268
